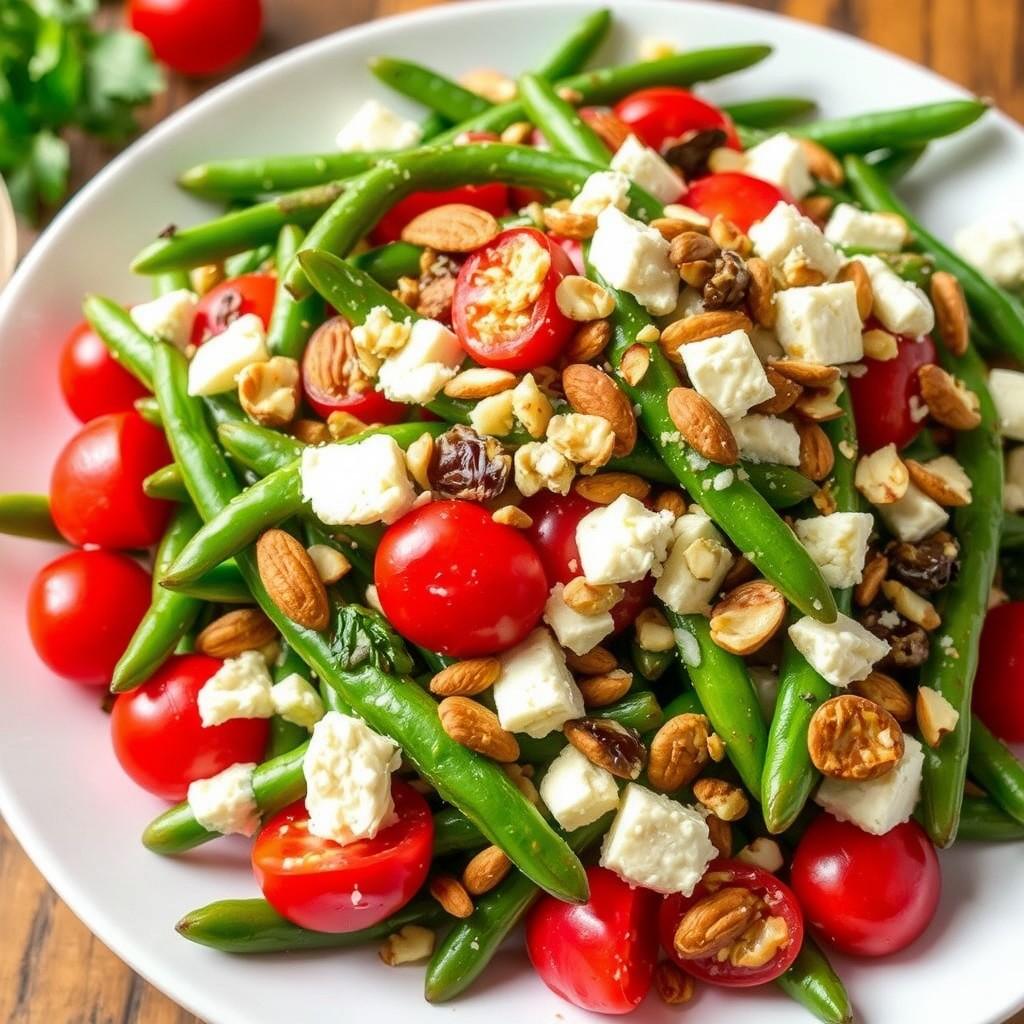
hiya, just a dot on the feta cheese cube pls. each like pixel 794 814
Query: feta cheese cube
pixel 657 843
pixel 848 226
pixel 357 484
pixel 785 230
pixel 682 589
pixel 901 306
pixel 914 516
pixel 295 699
pixel 348 779
pixel 877 805
pixel 820 324
pixel 623 542
pixel 226 803
pixel 168 317
pixel 1007 388
pixel 780 159
pixel 601 190
pixel 575 631
pixel 374 127
pixel 726 371
pixel 634 257
pixel 838 543
pixel 995 246
pixel 767 439
pixel 240 688
pixel 536 693
pixel 841 652
pixel 218 362
pixel 648 169
pixel 576 791
pixel 418 371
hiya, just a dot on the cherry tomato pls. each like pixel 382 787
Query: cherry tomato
pixel 91 380
pixel 320 884
pixel 83 609
pixel 96 486
pixel 534 330
pixel 492 197
pixel 198 37
pixel 553 533
pixel 572 248
pixel 664 114
pixel 882 398
pixel 999 684
pixel 452 579
pixel 248 293
pixel 867 895
pixel 780 903
pixel 160 740
pixel 739 197
pixel 598 955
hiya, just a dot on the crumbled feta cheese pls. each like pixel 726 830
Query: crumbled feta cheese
pixel 357 484
pixel 168 317
pixel 418 371
pixel 780 159
pixel 601 190
pixel 889 619
pixel 623 542
pixel 240 688
pixel 766 686
pixel 536 693
pixel 575 631
pixel 576 791
pixel 785 230
pixel 726 371
pixel 657 843
pixel 696 545
pixel 995 246
pixel 493 415
pixel 539 465
pixel 901 306
pixel 767 439
pixel 348 779
pixel 914 516
pixel 848 226
pixel 841 652
pixel 838 543
pixel 374 127
pixel 820 324
pixel 226 803
pixel 295 699
pixel 1007 388
pixel 378 337
pixel 218 361
pixel 648 169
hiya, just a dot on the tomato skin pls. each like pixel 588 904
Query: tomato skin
pixel 227 301
pixel 92 381
pixel 96 485
pixel 83 609
pixel 572 248
pixel 598 955
pixel 453 580
pixel 881 396
pixel 548 331
pixel 321 894
pixel 739 197
pixel 781 900
pixel 999 684
pixel 492 197
pixel 196 37
pixel 160 740
pixel 867 895
pixel 663 114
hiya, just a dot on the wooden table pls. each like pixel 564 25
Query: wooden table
pixel 52 970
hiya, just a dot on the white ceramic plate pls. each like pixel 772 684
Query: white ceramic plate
pixel 61 791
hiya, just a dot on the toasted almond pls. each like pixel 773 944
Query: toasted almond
pixel 310 432
pixel 679 752
pixel 702 426
pixel 819 404
pixel 408 945
pixel 887 693
pixel 451 894
pixel 693 247
pixel 950 402
pixel 722 798
pixel 291 579
pixel 583 300
pixel 946 489
pixel 466 678
pixel 875 570
pixel 235 632
pixel 418 457
pixel 600 691
pixel 854 271
pixel 822 164
pixel 809 375
pixel 879 344
pixel 589 342
pixel 747 617
pixel 653 633
pixel 604 488
pixel 453 227
pixel 673 985
pixel 729 236
pixel 330 365
pixel 817 458
pixel 592 392
pixel 950 311
pixel 700 327
pixel 670 501
pixel 912 606
pixel 671 227
pixel 608 127
pixel 800 273
pixel 591 598
pixel 636 360
pixel 763 853
pixel 935 715
pixel 597 661
pixel 853 738
pixel 509 515
pixel 479 382
pixel 331 564
pixel 817 208
pixel 761 292
pixel 485 870
pixel 270 392
pixel 608 744
pixel 569 224
pixel 342 424
pixel 786 394
pixel 720 835
pixel 715 921
pixel 882 477
pixel 468 722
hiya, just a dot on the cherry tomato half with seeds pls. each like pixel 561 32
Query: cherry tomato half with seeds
pixel 492 197
pixel 453 580
pixel 867 895
pixel 999 684
pixel 504 310
pixel 599 955
pixel 323 885
pixel 736 196
pixel 227 301
pixel 92 381
pixel 662 115
pixel 751 959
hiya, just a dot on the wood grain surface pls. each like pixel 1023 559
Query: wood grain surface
pixel 52 971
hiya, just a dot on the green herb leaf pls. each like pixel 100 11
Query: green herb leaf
pixel 121 67
pixel 51 165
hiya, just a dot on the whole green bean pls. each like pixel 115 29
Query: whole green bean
pixel 223 584
pixel 165 483
pixel 562 126
pixel 388 263
pixel 578 47
pixel 454 832
pixel 172 281
pixel 982 820
pixel 770 112
pixel 28 515
pixel 897 163
pixel 993 766
pixel 258 448
pixel 127 344
pixel 436 92
pixel 813 983
pixel 292 320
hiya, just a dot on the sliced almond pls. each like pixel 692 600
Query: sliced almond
pixel 936 717
pixel 911 605
pixel 235 632
pixel 700 327
pixel 887 693
pixel 452 896
pixel 875 571
pixel 589 342
pixel 468 722
pixel 854 271
pixel 822 164
pixel 679 752
pixel 509 515
pixel 291 579
pixel 569 223
pixel 855 739
pixel 761 292
pixel 485 870
pixel 786 394
pixel 604 488
pixel 479 382
pixel 453 227
pixel 950 403
pixel 593 392
pixel 944 482
pixel 722 798
pixel 597 661
pixel 950 311
pixel 702 426
pixel 636 360
pixel 466 678
pixel 331 564
pixel 882 477
pixel 600 691
pixel 878 344
pixel 819 404
pixel 609 745
pixel 809 375
pixel 591 598
pixel 817 459
pixel 747 617
pixel 653 633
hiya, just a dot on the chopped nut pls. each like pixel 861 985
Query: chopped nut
pixel 449 892
pixel 479 382
pixel 887 693
pixel 912 606
pixel 635 362
pixel 608 744
pixel 485 870
pixel 695 255
pixel 679 752
pixel 341 424
pixel 950 311
pixel 464 465
pixel 540 466
pixel 727 801
pixel 822 164
pixel 600 691
pixel 598 661
pixel 586 439
pixel 509 515
pixel 589 342
pixel 270 392
pixel 594 393
pixel 763 853
pixel 727 286
pixel 531 406
pixel 942 479
pixel 882 476
pixel 474 726
pixel 879 344
pixel 703 427
pixel 729 236
pixel 715 921
pixel 310 432
pixel 591 598
pixel 950 403
pixel 331 564
pixel 720 834
pixel 854 271
pixel 583 300
pixel 604 488
pixel 704 557
pixel 748 617
pixel 761 292
pixel 466 678
pixel 853 738
pixel 653 633
pixel 759 944
pixel 819 404
pixel 418 457
pixel 935 715
pixel 716 748
pixel 522 776
pixel 569 223
pixel 674 986
pixel 411 943
pixel 875 570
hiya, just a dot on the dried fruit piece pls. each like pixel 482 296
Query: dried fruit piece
pixel 727 286
pixel 464 465
pixel 609 745
pixel 927 566
pixel 854 739
pixel 679 752
pixel 291 579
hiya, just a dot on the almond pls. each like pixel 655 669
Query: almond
pixel 600 691
pixel 817 208
pixel 591 598
pixel 466 678
pixel 935 715
pixel 671 227
pixel 879 344
pixel 714 922
pixel 331 565
pixel 886 693
pixel 474 726
pixel 291 579
pixel 950 403
pixel 608 744
pixel 679 752
pixel 604 488
pixel 693 247
pixel 270 392
pixel 875 571
pixel 817 458
pixel 761 292
pixel 763 853
pixel 722 798
pixel 589 342
pixel 911 605
pixel 700 327
pixel 720 835
pixel 787 392
pixel 480 382
pixel 608 127
pixel 950 311
pixel 509 515
pixel 854 271
pixel 598 661
pixel 808 375
pixel 235 632
pixel 570 224
pixel 342 424
pixel 729 236
pixel 741 571
pixel 946 490
pixel 747 617
pixel 702 426
pixel 822 164
pixel 592 392
pixel 449 892
pixel 853 738
pixel 882 477
pixel 636 360
pixel 330 366
pixel 310 432
pixel 583 300
pixel 670 501
pixel 453 227
pixel 673 985
pixel 418 457
pixel 485 870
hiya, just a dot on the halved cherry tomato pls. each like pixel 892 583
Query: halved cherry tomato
pixel 867 895
pixel 504 310
pixel 885 396
pixel 553 534
pixel 661 115
pixel 492 197
pixel 452 579
pixel 779 902
pixel 83 609
pixel 248 293
pixel 574 250
pixel 999 684
pixel 598 955
pixel 162 743
pixel 736 196
pixel 96 486
pixel 320 884
pixel 91 380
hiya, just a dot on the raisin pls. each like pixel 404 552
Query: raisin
pixel 908 642
pixel 690 154
pixel 467 466
pixel 928 566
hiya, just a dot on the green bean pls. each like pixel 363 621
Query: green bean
pixel 285 735
pixel 28 515
pixel 578 47
pixel 993 766
pixel 247 262
pixel 148 410
pixel 127 344
pixel 253 926
pixel 440 94
pixel 165 483
pixel 454 832
pixel 433 125
pixel 813 983
pixel 223 584
pixel 162 284
pixel 562 126
pixel 292 320
pixel 388 263
pixel 897 163
pixel 1012 536
pixel 650 665
pixel 258 448
pixel 780 486
pixel 686 703
pixel 294 175
pixel 982 820
pixel 770 112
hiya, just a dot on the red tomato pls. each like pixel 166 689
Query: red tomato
pixel 160 740
pixel 505 342
pixel 492 197
pixel 553 533
pixel 96 486
pixel 91 380
pixel 739 197
pixel 882 397
pixel 574 250
pixel 867 895
pixel 781 903
pixel 198 37
pixel 248 293
pixel 452 579
pixel 663 114
pixel 598 955
pixel 83 609
pixel 999 684
pixel 322 885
